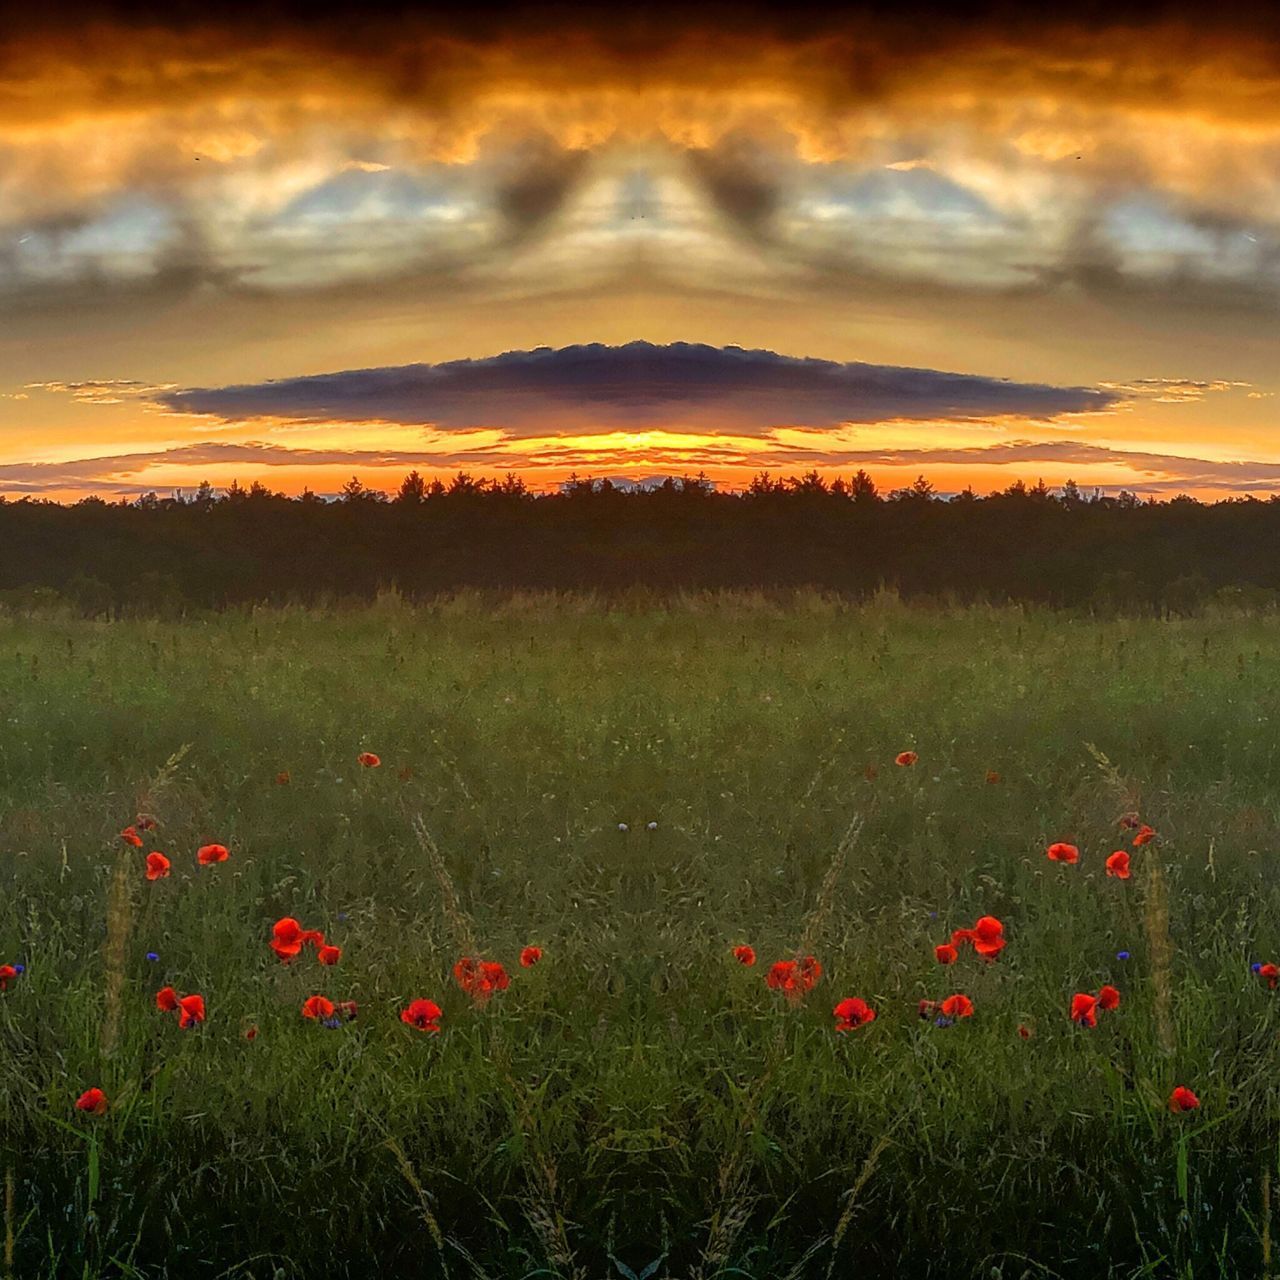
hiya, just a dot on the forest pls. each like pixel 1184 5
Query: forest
pixel 1062 548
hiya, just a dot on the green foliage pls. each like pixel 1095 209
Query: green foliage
pixel 639 1103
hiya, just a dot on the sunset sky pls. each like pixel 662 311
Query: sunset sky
pixel 291 250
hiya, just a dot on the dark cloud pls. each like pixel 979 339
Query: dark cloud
pixel 639 384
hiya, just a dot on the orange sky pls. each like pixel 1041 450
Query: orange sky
pixel 1043 210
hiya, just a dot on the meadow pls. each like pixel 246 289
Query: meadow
pixel 638 788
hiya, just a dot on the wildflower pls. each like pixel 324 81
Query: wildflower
pixel 251 1033
pixel 153 956
pixel 992 777
pixel 1270 972
pixel 329 954
pixel 368 760
pixel 1145 835
pixel 1122 955
pixel 92 1100
pixel 926 1008
pixel 1129 821
pixel 7 974
pixel 531 955
pixel 1182 1099
pixel 853 1013
pixel 166 1000
pixel 945 953
pixel 794 978
pixel 317 1007
pixel 961 936
pixel 1117 864
pixel 191 1011
pixel 157 866
pixel 208 854
pixel 1084 1009
pixel 333 1023
pixel 622 826
pixel 905 759
pixel 1060 852
pixel 988 937
pixel 957 1006
pixel 348 1009
pixel 145 822
pixel 130 836
pixel 286 938
pixel 944 1022
pixel 745 955
pixel 480 978
pixel 1025 1031
pixel 423 1014
pixel 283 778
pixel 1108 998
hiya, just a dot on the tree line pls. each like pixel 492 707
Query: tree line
pixel 1024 543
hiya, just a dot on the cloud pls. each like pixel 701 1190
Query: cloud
pixel 637 385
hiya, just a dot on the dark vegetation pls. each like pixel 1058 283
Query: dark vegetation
pixel 1022 544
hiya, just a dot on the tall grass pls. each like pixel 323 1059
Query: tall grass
pixel 639 1103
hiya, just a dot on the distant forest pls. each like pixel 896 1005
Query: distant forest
pixel 211 550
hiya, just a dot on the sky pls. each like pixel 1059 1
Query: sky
pixel 295 245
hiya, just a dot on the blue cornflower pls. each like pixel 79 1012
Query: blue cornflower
pixel 1256 966
pixel 1122 955
pixel 342 917
pixel 19 968
pixel 333 1023
pixel 943 1022
pixel 152 956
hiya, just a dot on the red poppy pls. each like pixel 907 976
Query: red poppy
pixel 130 836
pixel 166 1000
pixel 531 955
pixel 927 1008
pixel 988 937
pixel 743 955
pixel 1129 821
pixel 191 1011
pixel 1118 864
pixel 329 954
pixel 1063 853
pixel 1145 835
pixel 251 1033
pixel 961 936
pixel 317 1007
pixel 852 1013
pixel 283 778
pixel 313 936
pixel 1182 1099
pixel 1025 1031
pixel 368 759
pixel 157 866
pixel 992 776
pixel 423 1014
pixel 794 978
pixel 1267 971
pixel 93 1100
pixel 1108 998
pixel 480 978
pixel 8 973
pixel 208 854
pixel 1084 1009
pixel 957 1006
pixel 348 1009
pixel 905 758
pixel 145 822
pixel 286 938
pixel 945 953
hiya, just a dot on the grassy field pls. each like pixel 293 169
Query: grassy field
pixel 638 1103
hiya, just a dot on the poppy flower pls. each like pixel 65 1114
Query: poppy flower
pixel 1182 1099
pixel 145 822
pixel 1084 1009
pixel 157 866
pixel 531 955
pixel 286 938
pixel 166 1000
pixel 927 1008
pixel 743 955
pixel 348 1009
pixel 961 936
pixel 992 777
pixel 794 978
pixel 130 836
pixel 1145 835
pixel 368 760
pixel 251 1033
pixel 191 1011
pixel 329 954
pixel 8 973
pixel 905 759
pixel 1271 973
pixel 1060 852
pixel 423 1014
pixel 283 778
pixel 1129 821
pixel 208 854
pixel 1118 864
pixel 945 953
pixel 1025 1031
pixel 853 1013
pixel 988 937
pixel 1108 998
pixel 480 978
pixel 957 1006
pixel 92 1100
pixel 317 1007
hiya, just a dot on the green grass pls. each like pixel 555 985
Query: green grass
pixel 639 1096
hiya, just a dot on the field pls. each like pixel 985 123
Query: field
pixel 638 789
